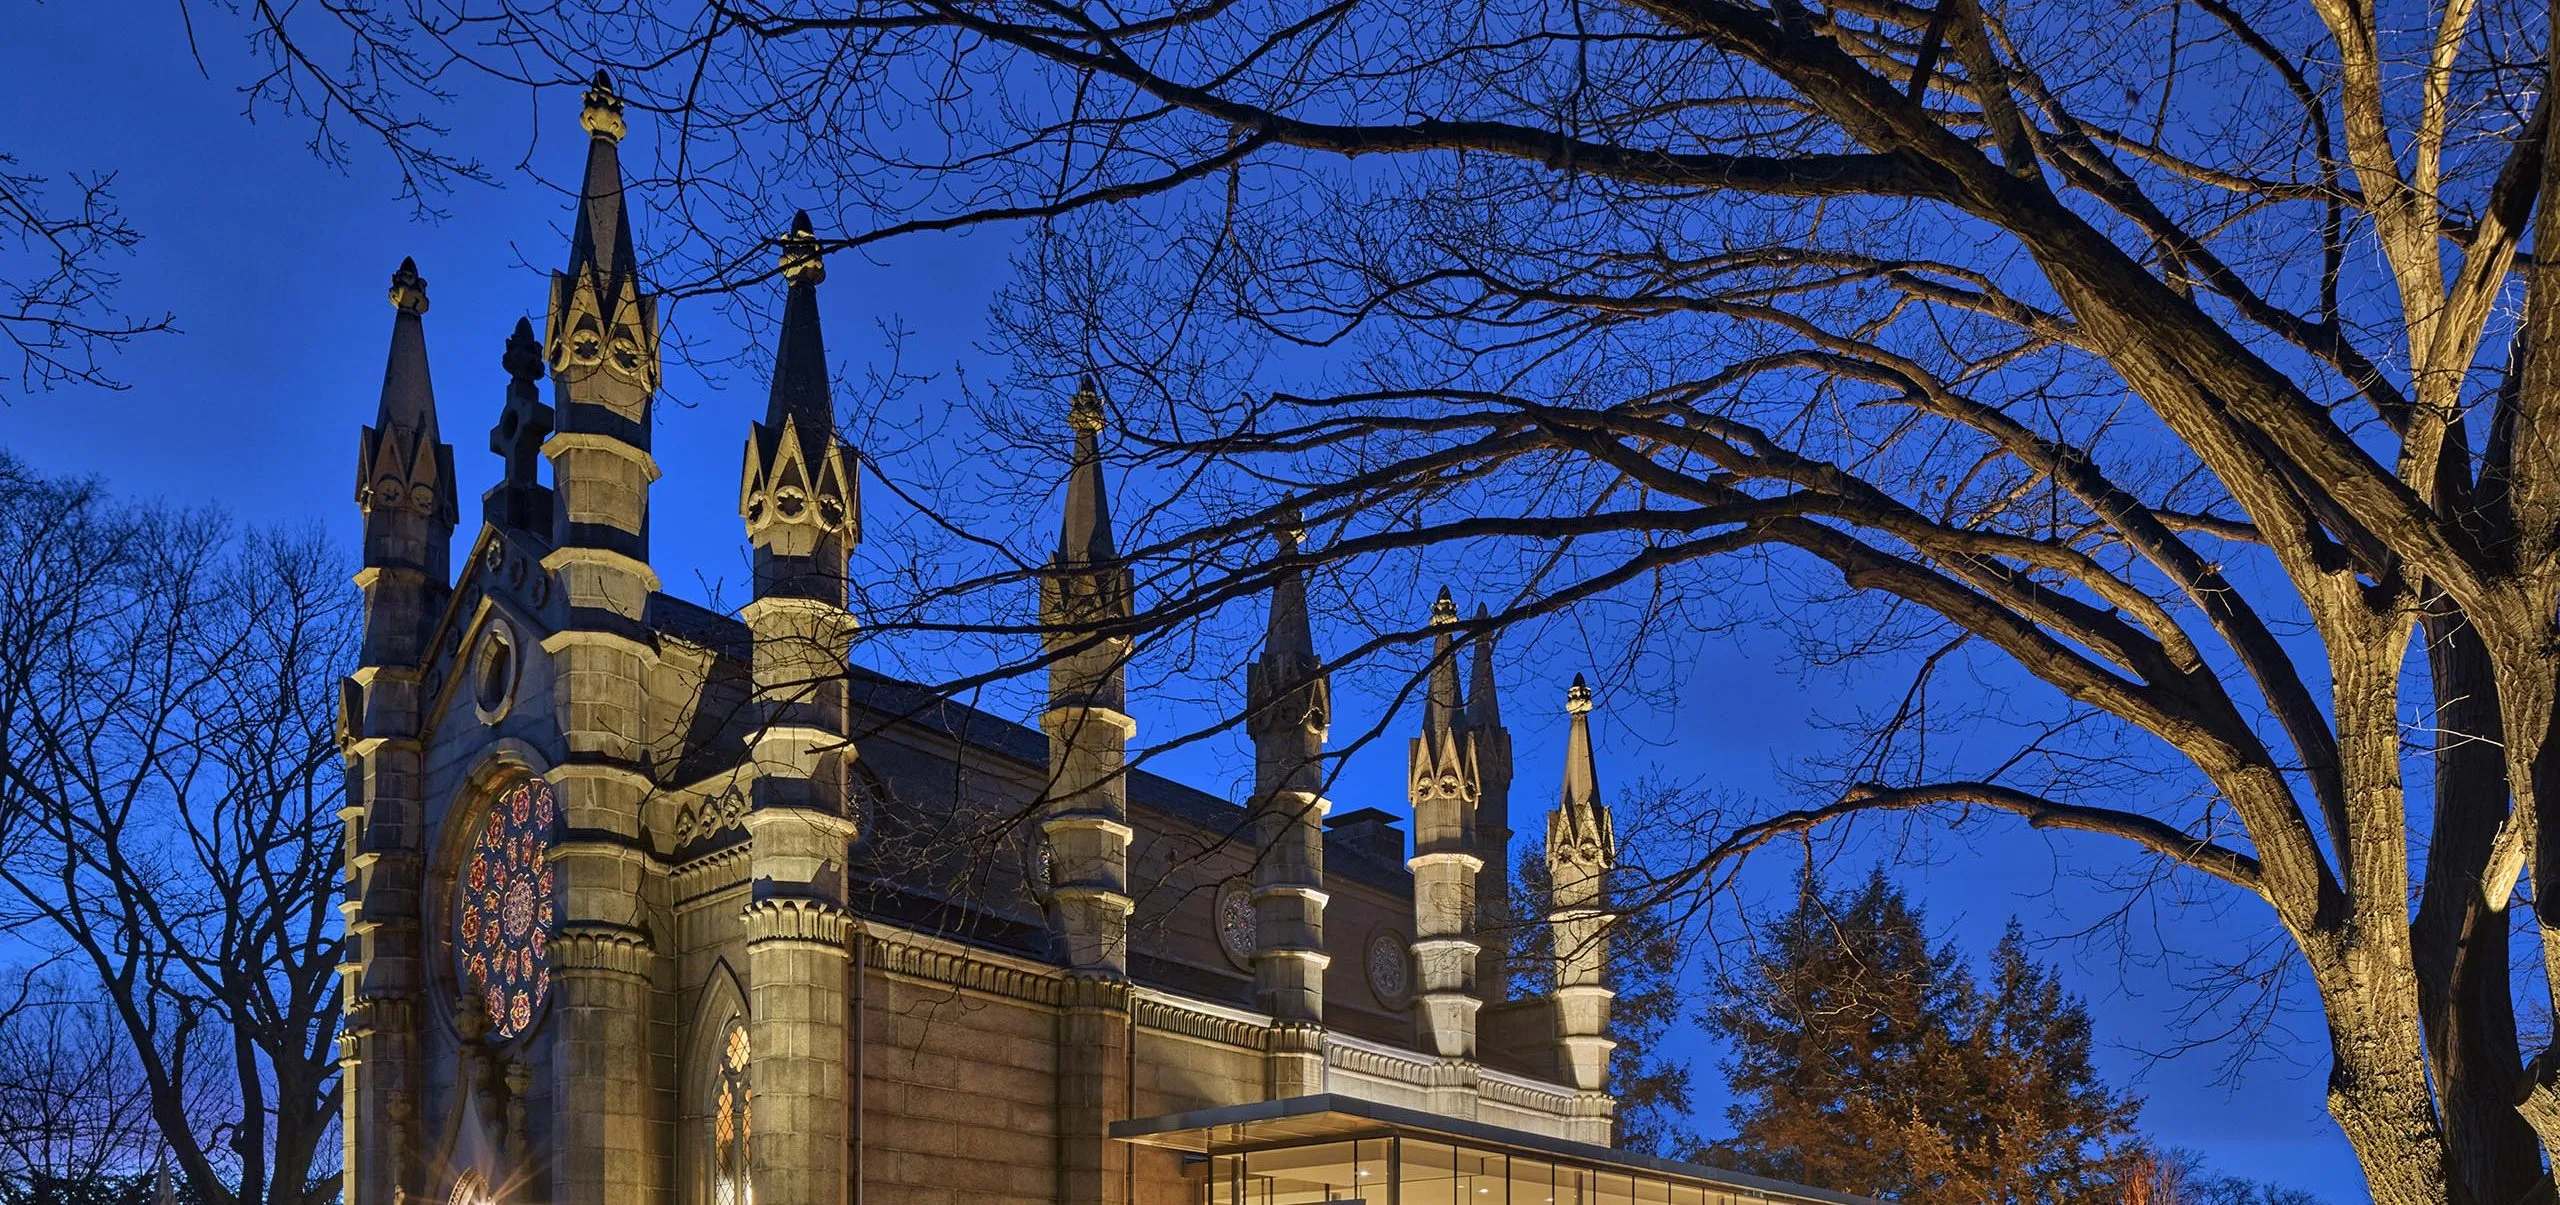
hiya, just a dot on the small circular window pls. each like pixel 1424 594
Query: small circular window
pixel 493 673
pixel 1239 926
pixel 1390 969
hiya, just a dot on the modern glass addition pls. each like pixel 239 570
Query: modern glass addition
pixel 1407 1171
pixel 1336 1149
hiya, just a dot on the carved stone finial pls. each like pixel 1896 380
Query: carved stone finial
pixel 802 261
pixel 1577 697
pixel 1085 412
pixel 603 115
pixel 1289 527
pixel 408 289
pixel 1444 609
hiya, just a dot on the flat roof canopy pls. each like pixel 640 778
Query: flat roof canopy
pixel 1297 1120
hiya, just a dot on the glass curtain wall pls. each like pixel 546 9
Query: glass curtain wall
pixel 1412 1171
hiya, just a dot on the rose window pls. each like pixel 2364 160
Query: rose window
pixel 507 908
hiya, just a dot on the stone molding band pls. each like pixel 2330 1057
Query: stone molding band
pixel 601 950
pixel 802 922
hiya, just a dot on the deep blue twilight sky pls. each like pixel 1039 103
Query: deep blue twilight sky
pixel 275 264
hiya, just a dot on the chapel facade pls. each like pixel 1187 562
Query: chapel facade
pixel 648 904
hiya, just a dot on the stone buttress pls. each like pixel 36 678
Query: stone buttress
pixel 798 498
pixel 603 344
pixel 1288 707
pixel 1085 607
pixel 405 489
pixel 1445 783
pixel 1581 851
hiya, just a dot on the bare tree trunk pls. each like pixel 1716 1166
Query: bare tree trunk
pixel 167 803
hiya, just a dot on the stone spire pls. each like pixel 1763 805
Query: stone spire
pixel 1484 707
pixel 799 494
pixel 1288 709
pixel 1085 606
pixel 520 501
pixel 1444 785
pixel 1581 850
pixel 1086 820
pixel 1444 707
pixel 798 500
pixel 404 486
pixel 600 336
pixel 601 243
pixel 1085 537
pixel 1495 923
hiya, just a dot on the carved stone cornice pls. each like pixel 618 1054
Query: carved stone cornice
pixel 1168 1017
pixel 960 967
pixel 601 950
pixel 1398 1066
pixel 1530 1095
pixel 806 922
pixel 720 870
pixel 1297 1037
pixel 1095 993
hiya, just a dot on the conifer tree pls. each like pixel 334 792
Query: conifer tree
pixel 1868 1061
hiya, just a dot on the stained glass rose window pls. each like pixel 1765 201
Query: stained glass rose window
pixel 507 907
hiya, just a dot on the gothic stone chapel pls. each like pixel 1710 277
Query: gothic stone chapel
pixel 648 905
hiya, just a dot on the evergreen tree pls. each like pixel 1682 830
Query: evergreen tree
pixel 1868 1061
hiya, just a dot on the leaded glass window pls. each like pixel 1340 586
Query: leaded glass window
pixel 732 1124
pixel 507 908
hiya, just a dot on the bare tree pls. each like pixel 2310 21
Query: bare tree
pixel 56 285
pixel 168 799
pixel 2170 371
pixel 75 1121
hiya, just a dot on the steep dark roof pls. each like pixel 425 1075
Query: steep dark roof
pixel 897 701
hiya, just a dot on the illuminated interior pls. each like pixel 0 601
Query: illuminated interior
pixel 1333 1148
pixel 1410 1171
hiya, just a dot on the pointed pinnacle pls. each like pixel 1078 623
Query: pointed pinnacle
pixel 801 388
pixel 1288 634
pixel 1580 805
pixel 1484 709
pixel 1085 536
pixel 408 289
pixel 1444 705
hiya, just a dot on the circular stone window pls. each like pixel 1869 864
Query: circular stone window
pixel 1036 870
pixel 1239 926
pixel 493 673
pixel 1390 969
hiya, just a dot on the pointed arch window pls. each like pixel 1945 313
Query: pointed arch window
pixel 732 1123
